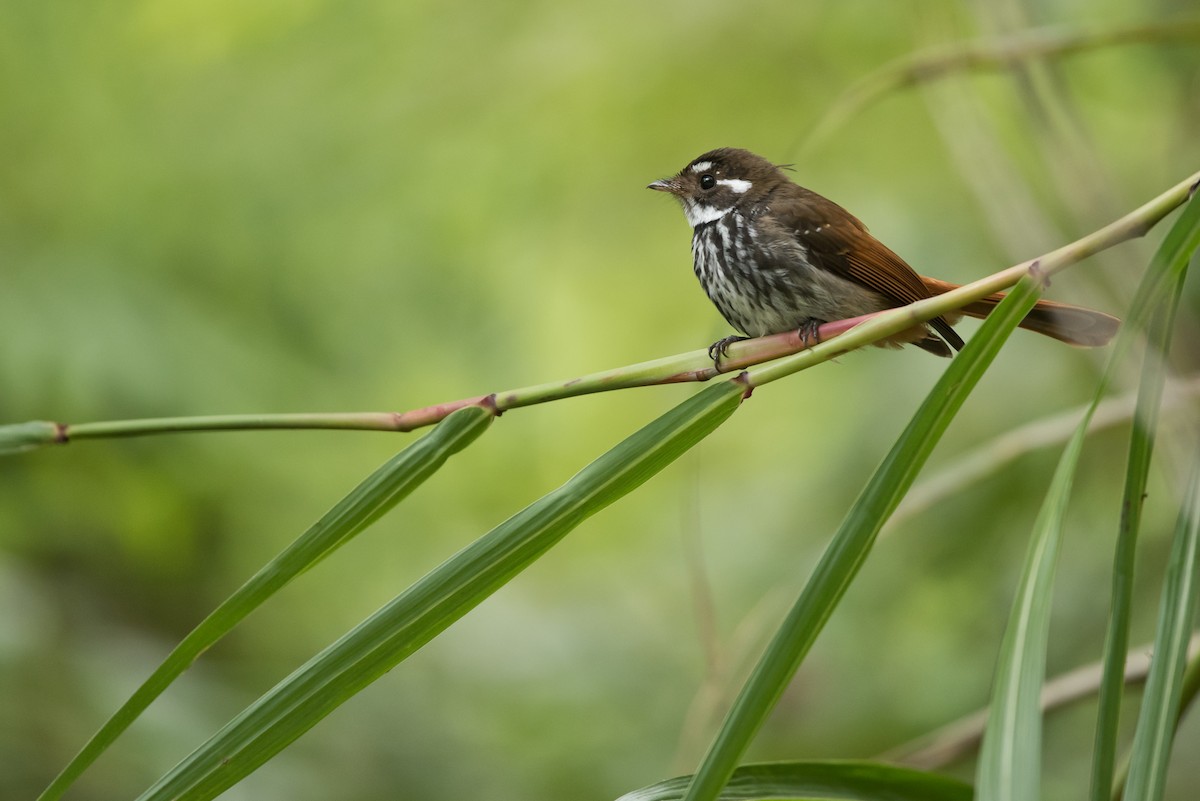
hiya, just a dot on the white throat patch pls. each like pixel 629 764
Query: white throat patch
pixel 698 213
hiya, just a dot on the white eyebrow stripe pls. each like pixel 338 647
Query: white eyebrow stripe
pixel 701 166
pixel 736 185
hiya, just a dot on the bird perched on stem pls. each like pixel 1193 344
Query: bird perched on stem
pixel 774 257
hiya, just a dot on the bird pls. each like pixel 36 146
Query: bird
pixel 775 257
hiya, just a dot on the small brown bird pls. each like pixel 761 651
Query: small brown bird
pixel 774 257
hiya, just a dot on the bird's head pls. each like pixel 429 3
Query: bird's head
pixel 721 180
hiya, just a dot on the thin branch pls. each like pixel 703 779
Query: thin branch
pixel 959 739
pixel 988 55
pixel 837 338
pixel 989 457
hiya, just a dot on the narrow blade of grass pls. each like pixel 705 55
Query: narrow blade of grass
pixel 854 781
pixel 444 595
pixel 852 542
pixel 1155 732
pixel 1010 758
pixel 378 493
pixel 1191 683
pixel 1153 309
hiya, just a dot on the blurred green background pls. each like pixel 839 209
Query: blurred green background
pixel 218 207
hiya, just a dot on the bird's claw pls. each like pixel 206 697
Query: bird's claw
pixel 809 333
pixel 718 349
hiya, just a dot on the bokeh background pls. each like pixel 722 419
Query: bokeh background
pixel 299 205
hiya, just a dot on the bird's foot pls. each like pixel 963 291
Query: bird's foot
pixel 809 333
pixel 717 350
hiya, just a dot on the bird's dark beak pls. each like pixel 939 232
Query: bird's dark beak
pixel 665 185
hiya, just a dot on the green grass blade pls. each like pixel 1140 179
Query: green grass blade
pixel 382 490
pixel 1010 757
pixel 1151 751
pixel 1153 310
pixel 444 595
pixel 851 543
pixel 854 781
pixel 1190 688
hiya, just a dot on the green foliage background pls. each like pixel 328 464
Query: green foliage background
pixel 294 206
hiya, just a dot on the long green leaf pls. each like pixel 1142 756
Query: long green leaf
pixel 444 595
pixel 1010 758
pixel 378 493
pixel 853 781
pixel 1191 686
pixel 852 542
pixel 1164 686
pixel 1153 309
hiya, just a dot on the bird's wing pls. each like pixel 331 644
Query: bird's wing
pixel 837 241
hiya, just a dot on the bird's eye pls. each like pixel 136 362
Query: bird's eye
pixel 707 182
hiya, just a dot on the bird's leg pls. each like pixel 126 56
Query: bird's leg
pixel 718 349
pixel 809 332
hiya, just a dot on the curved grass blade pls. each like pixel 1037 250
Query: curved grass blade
pixel 1010 757
pixel 850 545
pixel 378 493
pixel 854 781
pixel 1191 682
pixel 1154 309
pixel 438 599
pixel 1151 751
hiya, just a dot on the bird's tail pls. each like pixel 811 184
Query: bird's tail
pixel 1074 325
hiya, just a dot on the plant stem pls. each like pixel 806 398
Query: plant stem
pixel 836 338
pixel 991 54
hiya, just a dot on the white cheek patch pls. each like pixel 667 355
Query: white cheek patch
pixel 698 214
pixel 702 166
pixel 736 185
